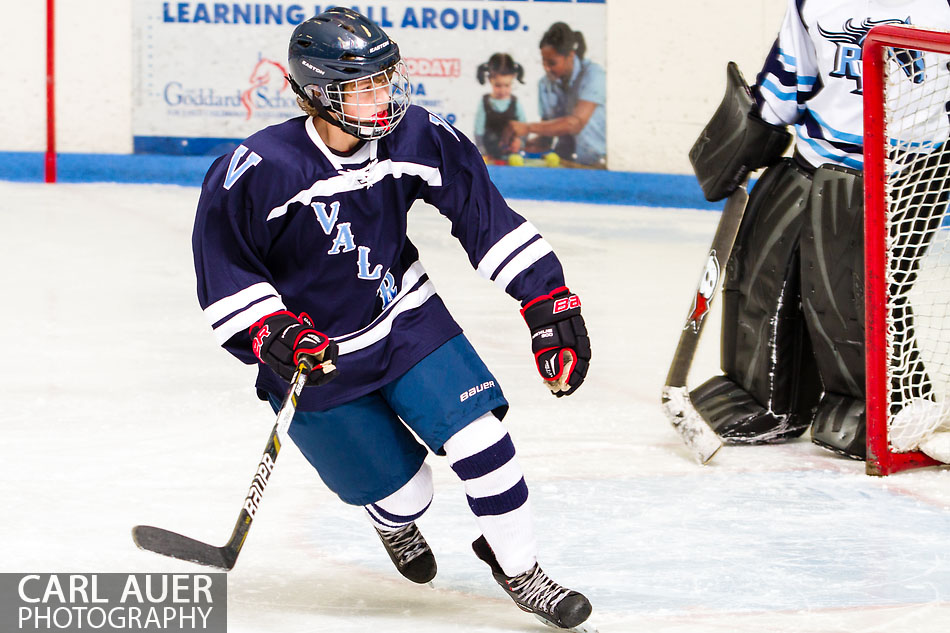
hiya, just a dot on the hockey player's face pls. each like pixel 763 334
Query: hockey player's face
pixel 501 86
pixel 367 99
pixel 556 66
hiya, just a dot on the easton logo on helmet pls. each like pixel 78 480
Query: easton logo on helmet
pixel 312 67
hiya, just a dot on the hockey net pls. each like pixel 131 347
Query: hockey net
pixel 907 247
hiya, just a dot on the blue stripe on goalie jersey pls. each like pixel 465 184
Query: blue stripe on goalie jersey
pixel 814 135
pixel 788 61
pixel 784 68
pixel 779 86
pixel 780 64
pixel 816 125
pixel 778 93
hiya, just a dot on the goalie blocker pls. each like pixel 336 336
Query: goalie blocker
pixel 736 141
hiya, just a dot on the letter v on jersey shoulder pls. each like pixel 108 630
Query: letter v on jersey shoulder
pixel 235 170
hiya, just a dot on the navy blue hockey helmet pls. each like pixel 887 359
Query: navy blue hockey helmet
pixel 340 58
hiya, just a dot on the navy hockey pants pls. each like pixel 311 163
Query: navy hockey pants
pixel 364 451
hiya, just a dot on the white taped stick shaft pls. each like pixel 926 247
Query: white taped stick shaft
pixel 699 438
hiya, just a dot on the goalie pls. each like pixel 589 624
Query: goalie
pixel 793 299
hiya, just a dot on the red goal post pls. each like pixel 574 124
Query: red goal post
pixel 891 156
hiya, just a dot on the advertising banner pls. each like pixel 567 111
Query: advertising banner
pixel 208 74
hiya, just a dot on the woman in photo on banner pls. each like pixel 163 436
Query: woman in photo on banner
pixel 572 99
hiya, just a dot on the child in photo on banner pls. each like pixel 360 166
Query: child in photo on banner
pixel 499 107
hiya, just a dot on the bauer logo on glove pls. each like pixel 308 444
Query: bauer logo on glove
pixel 282 340
pixel 559 340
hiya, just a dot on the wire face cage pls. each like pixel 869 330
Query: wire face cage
pixel 371 106
pixel 907 245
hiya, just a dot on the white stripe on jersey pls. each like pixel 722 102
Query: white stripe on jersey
pixel 504 247
pixel 223 307
pixel 409 279
pixel 381 329
pixel 355 179
pixel 522 261
pixel 246 318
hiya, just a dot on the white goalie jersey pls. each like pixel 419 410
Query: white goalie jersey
pixel 812 78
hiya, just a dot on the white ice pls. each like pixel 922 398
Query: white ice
pixel 119 409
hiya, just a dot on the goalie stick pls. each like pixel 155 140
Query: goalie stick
pixel 698 436
pixel 182 547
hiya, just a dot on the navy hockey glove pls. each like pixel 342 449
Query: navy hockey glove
pixel 559 340
pixel 281 339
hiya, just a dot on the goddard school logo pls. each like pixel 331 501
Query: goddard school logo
pixel 264 94
pixel 267 76
pixel 113 602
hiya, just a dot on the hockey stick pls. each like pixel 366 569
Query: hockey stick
pixel 182 547
pixel 695 431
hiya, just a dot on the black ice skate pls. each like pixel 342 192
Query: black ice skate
pixel 535 593
pixel 410 553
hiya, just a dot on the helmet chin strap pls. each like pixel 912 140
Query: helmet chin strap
pixel 325 114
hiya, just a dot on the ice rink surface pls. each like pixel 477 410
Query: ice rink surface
pixel 120 409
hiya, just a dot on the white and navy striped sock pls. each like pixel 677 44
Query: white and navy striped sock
pixel 483 456
pixel 406 504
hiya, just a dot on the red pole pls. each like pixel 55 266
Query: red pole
pixel 50 163
pixel 875 284
pixel 880 459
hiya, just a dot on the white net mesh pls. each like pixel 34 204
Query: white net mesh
pixel 917 92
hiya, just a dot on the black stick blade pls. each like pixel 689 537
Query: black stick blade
pixel 182 547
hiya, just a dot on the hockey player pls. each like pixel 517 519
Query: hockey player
pixel 793 319
pixel 301 252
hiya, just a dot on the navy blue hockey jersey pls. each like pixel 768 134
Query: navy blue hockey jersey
pixel 285 223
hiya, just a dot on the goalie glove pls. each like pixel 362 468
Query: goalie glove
pixel 281 339
pixel 559 340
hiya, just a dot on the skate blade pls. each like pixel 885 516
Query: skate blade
pixel 583 627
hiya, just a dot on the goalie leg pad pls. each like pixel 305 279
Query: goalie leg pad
pixel 769 381
pixel 833 278
pixel 764 347
pixel 735 141
pixel 737 417
pixel 839 426
pixel 833 302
